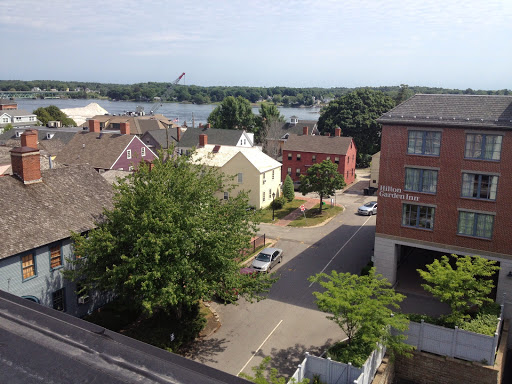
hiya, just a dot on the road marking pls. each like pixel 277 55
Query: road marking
pixel 348 241
pixel 264 341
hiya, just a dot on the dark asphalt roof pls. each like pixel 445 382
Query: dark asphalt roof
pixel 215 136
pixel 41 345
pixel 318 144
pixel 481 111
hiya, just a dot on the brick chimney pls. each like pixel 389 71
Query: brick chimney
pixel 94 126
pixel 305 130
pixel 203 140
pixel 208 126
pixel 25 159
pixel 200 125
pixel 337 131
pixel 124 128
pixel 178 134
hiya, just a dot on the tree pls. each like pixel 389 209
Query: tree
pixel 403 94
pixel 288 190
pixel 8 127
pixel 356 114
pixel 259 374
pixel 322 178
pixel 53 113
pixel 463 288
pixel 233 113
pixel 169 241
pixel 362 306
pixel 270 134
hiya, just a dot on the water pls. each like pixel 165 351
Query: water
pixel 172 111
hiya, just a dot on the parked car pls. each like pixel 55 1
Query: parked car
pixel 267 259
pixel 368 209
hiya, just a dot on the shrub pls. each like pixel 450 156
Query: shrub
pixel 356 352
pixel 484 324
pixel 288 191
pixel 277 203
pixel 366 269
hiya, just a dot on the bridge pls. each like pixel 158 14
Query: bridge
pixel 32 94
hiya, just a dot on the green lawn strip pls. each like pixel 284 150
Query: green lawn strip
pixel 265 215
pixel 314 217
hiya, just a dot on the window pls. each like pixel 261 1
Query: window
pixel 347 173
pixel 269 193
pixel 263 175
pixel 337 160
pixel 424 143
pixel 418 216
pixel 58 299
pixel 226 195
pixel 263 196
pixel 28 266
pixel 297 171
pixel 328 158
pixel 289 156
pixel 272 174
pixel 484 147
pixel 298 156
pixel 55 257
pixel 129 154
pixel 143 151
pixel 240 178
pixel 289 171
pixel 421 180
pixel 313 158
pixel 475 224
pixel 130 168
pixel 479 186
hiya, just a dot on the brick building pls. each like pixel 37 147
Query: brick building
pixel 445 183
pixel 301 152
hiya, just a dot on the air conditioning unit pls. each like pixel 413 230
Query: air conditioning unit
pixel 83 299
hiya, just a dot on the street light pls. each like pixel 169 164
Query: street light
pixel 273 197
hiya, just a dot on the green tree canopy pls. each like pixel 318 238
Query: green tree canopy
pixel 322 178
pixel 268 121
pixel 288 190
pixel 233 113
pixel 53 113
pixel 363 307
pixel 463 287
pixel 169 241
pixel 356 114
pixel 8 127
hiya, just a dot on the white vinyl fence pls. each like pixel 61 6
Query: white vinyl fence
pixel 333 372
pixel 456 342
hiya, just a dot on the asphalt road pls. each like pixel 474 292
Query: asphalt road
pixel 287 324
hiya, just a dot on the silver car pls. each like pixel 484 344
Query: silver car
pixel 267 259
pixel 368 209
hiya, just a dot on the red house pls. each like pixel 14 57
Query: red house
pixel 301 152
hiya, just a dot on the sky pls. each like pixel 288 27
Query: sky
pixel 265 43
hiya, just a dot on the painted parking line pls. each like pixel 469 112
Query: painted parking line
pixel 264 341
pixel 343 246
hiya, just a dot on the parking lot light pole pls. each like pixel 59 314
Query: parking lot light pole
pixel 273 197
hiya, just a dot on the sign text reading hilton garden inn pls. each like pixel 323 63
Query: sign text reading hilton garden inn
pixel 395 193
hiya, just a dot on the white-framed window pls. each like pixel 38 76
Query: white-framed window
pixel 483 147
pixel 272 174
pixel 289 171
pixel 313 158
pixel 418 216
pixel 128 154
pixel 479 186
pixel 475 224
pixel 328 158
pixel 143 151
pixel 337 160
pixel 226 195
pixel 420 180
pixel 269 193
pixel 297 171
pixel 299 156
pixel 5 120
pixel 424 143
pixel 240 178
pixel 289 156
pixel 263 196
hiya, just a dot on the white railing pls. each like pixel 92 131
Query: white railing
pixel 333 372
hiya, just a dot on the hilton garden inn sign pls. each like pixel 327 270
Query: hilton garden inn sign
pixel 395 193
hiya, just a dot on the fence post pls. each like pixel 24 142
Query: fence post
pixel 492 353
pixel 264 239
pixel 420 336
pixel 454 341
pixel 349 368
pixel 329 369
pixel 300 375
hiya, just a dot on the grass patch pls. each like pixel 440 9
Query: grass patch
pixel 265 215
pixel 314 217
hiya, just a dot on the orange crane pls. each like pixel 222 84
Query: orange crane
pixel 158 105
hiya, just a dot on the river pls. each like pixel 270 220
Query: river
pixel 183 112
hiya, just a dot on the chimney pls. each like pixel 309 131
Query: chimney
pixel 200 125
pixel 178 134
pixel 208 126
pixel 124 128
pixel 305 130
pixel 203 140
pixel 25 159
pixel 94 126
pixel 337 131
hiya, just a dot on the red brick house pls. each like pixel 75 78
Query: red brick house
pixel 445 184
pixel 301 152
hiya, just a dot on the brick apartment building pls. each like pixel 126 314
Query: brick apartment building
pixel 301 152
pixel 446 184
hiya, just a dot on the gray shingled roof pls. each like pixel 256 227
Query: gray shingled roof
pixel 297 129
pixel 16 112
pixel 68 199
pixel 318 144
pixel 160 136
pixel 100 150
pixel 484 111
pixel 215 136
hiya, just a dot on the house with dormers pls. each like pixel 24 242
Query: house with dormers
pixel 104 151
pixel 17 118
pixel 39 209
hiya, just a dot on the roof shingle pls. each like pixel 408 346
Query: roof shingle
pixel 318 144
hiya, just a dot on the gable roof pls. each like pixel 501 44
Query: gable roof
pixel 101 150
pixel 160 136
pixel 138 124
pixel 215 136
pixel 485 111
pixel 15 112
pixel 68 199
pixel 59 139
pixel 335 145
pixel 298 129
pixel 225 153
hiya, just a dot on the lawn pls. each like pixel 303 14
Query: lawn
pixel 314 217
pixel 265 215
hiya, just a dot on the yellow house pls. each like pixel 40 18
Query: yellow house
pixel 254 171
